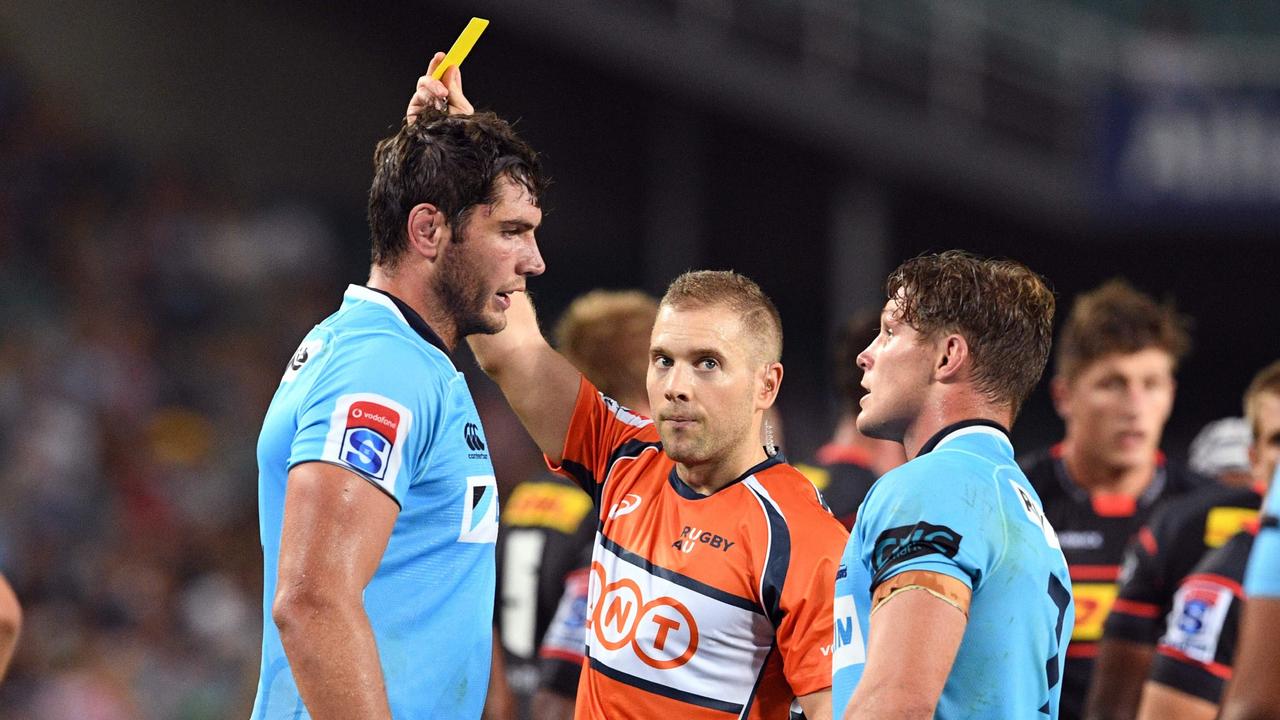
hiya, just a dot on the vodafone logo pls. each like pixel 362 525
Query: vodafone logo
pixel 661 631
pixel 629 504
pixel 376 414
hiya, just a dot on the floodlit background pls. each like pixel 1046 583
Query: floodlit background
pixel 182 192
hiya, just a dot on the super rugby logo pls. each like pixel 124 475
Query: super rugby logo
pixel 367 433
pixel 370 434
pixel 661 631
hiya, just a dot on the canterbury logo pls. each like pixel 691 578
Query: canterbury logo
pixel 299 359
pixel 472 433
pixel 629 504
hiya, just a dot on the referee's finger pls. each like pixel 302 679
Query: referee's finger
pixel 435 61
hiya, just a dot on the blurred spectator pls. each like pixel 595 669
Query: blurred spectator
pixel 1114 387
pixel 134 319
pixel 847 465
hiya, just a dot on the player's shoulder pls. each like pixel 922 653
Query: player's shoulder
pixel 374 326
pixel 793 492
pixel 1195 505
pixel 1230 560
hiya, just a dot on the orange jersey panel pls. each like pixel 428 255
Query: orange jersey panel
pixel 699 606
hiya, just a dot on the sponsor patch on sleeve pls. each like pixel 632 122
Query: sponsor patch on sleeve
pixel 900 544
pixel 367 433
pixel 1199 613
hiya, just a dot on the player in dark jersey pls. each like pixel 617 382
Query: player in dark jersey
pixel 850 462
pixel 547 524
pixel 1254 690
pixel 1194 655
pixel 1114 388
pixel 1166 549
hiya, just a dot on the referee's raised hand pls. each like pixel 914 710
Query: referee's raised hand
pixel 444 94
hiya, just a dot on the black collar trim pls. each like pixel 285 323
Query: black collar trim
pixel 415 320
pixel 944 432
pixel 689 493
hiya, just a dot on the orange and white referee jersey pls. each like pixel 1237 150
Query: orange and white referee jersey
pixel 700 607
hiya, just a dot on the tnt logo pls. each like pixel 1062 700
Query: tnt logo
pixel 472 434
pixel 369 436
pixel 661 631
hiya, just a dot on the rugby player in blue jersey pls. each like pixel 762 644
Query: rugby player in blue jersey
pixel 952 599
pixel 377 500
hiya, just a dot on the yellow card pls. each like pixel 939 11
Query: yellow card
pixel 461 46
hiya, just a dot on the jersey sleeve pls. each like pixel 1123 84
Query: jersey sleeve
pixel 1142 597
pixel 951 529
pixel 600 431
pixel 362 413
pixel 564 647
pixel 806 630
pixel 1195 653
pixel 1262 579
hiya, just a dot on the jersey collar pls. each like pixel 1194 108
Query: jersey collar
pixel 401 309
pixel 976 426
pixel 689 493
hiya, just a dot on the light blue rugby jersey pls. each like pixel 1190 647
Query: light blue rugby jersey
pixel 1262 577
pixel 371 389
pixel 963 508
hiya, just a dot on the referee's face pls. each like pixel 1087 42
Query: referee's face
pixel 701 380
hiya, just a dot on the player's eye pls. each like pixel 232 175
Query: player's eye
pixel 708 363
pixel 662 361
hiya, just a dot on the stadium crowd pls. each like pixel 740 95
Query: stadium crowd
pixel 140 343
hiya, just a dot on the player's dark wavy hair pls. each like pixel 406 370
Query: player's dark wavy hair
pixel 1117 318
pixel 450 161
pixel 1003 310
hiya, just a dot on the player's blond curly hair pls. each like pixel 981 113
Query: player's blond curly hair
pixel 605 334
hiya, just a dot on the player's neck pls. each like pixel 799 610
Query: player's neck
pixel 1094 475
pixel 708 477
pixel 417 297
pixel 950 412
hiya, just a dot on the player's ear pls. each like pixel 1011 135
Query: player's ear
pixel 427 230
pixel 770 383
pixel 1060 394
pixel 953 355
